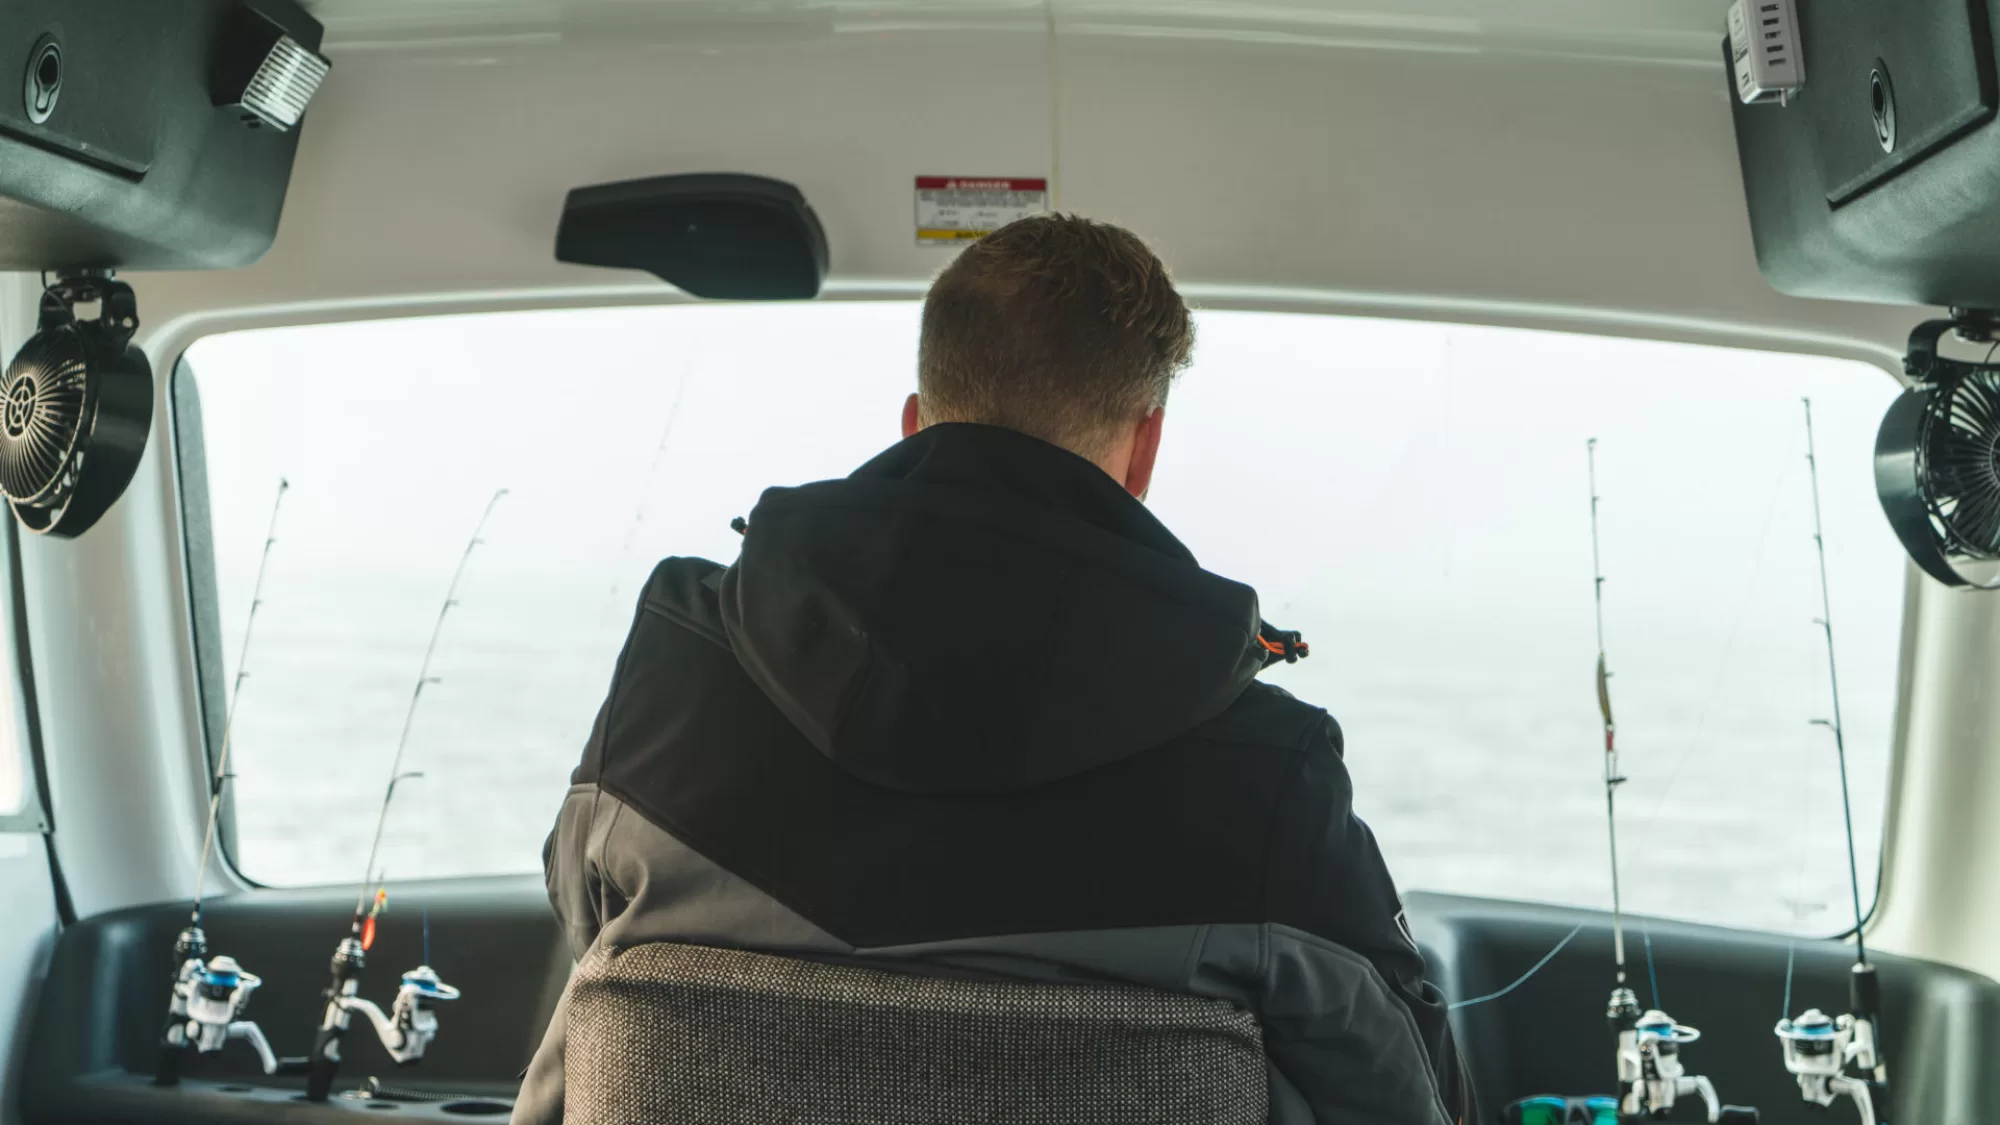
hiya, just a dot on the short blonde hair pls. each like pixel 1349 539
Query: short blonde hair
pixel 1056 326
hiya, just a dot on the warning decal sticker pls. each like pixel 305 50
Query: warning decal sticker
pixel 961 208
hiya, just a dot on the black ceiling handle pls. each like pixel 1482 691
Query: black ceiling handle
pixel 723 235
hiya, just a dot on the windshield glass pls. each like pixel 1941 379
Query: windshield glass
pixel 1412 496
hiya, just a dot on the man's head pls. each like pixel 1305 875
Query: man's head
pixel 1061 328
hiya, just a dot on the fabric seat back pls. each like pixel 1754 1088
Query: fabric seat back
pixel 671 1034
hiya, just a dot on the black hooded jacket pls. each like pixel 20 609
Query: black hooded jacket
pixel 975 698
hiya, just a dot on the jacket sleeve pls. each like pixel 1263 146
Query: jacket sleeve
pixel 584 898
pixel 1328 879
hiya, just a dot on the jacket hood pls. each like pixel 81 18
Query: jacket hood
pixel 979 611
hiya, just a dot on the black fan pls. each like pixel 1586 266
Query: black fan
pixel 1937 457
pixel 79 403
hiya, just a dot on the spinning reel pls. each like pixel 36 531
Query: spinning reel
pixel 406 1030
pixel 1820 1048
pixel 205 1011
pixel 1651 1076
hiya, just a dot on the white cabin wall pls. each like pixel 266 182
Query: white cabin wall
pixel 1437 177
pixel 26 884
pixel 1572 191
pixel 1941 879
pixel 443 170
pixel 114 676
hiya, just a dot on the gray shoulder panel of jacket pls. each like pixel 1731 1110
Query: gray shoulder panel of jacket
pixel 1341 1045
pixel 618 880
pixel 642 884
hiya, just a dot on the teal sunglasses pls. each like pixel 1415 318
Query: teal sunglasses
pixel 1550 1109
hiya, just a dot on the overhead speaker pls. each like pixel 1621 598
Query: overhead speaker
pixel 722 235
pixel 1937 457
pixel 79 404
pixel 149 134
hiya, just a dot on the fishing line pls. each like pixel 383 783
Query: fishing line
pixel 646 494
pixel 1791 959
pixel 1524 977
pixel 1652 974
pixel 235 696
pixel 1680 757
pixel 424 679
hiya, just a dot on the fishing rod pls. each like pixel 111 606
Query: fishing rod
pixel 205 1007
pixel 407 1029
pixel 1651 1075
pixel 1819 1048
pixel 645 505
pixel 1622 999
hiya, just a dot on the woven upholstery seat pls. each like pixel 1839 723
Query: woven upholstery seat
pixel 686 1035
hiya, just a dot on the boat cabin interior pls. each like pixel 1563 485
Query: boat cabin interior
pixel 364 356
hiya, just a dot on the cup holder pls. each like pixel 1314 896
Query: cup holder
pixel 477 1107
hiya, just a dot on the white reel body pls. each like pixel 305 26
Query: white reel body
pixel 407 1029
pixel 1819 1048
pixel 1651 1076
pixel 207 1009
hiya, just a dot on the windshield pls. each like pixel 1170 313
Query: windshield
pixel 1412 496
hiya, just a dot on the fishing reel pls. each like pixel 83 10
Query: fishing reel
pixel 206 1008
pixel 1651 1076
pixel 406 1030
pixel 1817 1050
pixel 1820 1048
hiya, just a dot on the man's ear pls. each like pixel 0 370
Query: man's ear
pixel 910 426
pixel 1145 450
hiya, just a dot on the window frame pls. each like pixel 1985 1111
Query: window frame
pixel 204 643
pixel 205 640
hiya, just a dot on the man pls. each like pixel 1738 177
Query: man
pixel 974 704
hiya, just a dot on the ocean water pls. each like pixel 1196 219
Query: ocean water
pixel 1479 774
pixel 1413 497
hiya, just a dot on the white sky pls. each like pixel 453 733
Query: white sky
pixel 1410 495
